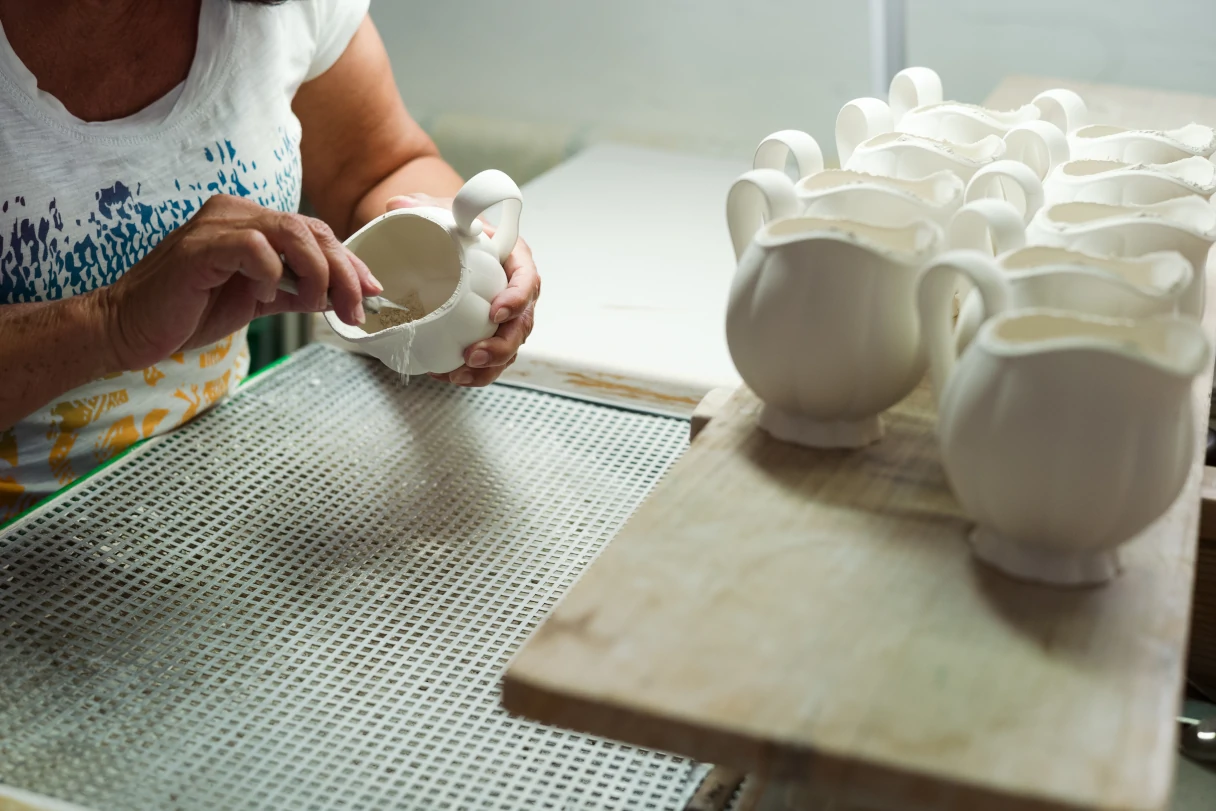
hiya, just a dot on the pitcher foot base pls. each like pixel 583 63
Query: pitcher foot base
pixel 1044 566
pixel 801 430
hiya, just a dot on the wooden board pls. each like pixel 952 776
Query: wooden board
pixel 817 616
pixel 1135 107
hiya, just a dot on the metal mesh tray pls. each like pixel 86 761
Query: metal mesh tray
pixel 305 600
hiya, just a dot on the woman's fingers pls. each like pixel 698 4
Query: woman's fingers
pixel 523 286
pixel 292 236
pixel 345 285
pixel 243 251
pixel 371 285
pixel 501 348
pixel 474 378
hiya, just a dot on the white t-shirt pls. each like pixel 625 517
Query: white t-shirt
pixel 81 202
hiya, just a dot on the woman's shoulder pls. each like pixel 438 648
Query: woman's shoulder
pixel 316 32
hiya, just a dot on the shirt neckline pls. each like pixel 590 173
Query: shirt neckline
pixel 212 56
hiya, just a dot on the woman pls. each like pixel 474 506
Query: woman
pixel 152 159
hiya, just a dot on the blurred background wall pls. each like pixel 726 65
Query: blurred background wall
pixel 536 78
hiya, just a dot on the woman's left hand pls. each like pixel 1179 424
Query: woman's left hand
pixel 513 309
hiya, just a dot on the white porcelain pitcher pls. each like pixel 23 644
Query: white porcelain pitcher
pixel 883 200
pixel 821 321
pixel 916 105
pixel 1043 277
pixel 1103 142
pixel 1119 183
pixel 1185 224
pixel 441 264
pixel 1063 435
pixel 899 154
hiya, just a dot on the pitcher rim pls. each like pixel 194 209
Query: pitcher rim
pixel 1182 369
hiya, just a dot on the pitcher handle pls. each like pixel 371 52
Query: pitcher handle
pixel 1038 144
pixel 756 196
pixel 859 121
pixel 994 181
pixel 990 226
pixel 1063 108
pixel 935 288
pixel 911 88
pixel 483 191
pixel 773 151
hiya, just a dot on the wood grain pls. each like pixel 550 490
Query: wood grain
pixel 817 617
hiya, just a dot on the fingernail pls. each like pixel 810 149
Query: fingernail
pixel 502 315
pixel 376 286
pixel 462 378
pixel 479 358
pixel 360 316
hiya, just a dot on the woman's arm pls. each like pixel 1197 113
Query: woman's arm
pixel 361 149
pixel 360 146
pixel 48 348
pixel 208 278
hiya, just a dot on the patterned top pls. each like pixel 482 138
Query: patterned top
pixel 80 203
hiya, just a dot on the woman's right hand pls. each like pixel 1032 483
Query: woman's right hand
pixel 218 271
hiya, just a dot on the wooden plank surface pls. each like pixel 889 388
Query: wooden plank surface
pixel 817 616
pixel 1133 107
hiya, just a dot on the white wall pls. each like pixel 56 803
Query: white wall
pixel 1169 44
pixel 718 73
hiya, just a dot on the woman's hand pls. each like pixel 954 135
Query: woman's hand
pixel 220 270
pixel 513 309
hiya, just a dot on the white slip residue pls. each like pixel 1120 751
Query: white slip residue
pixel 401 353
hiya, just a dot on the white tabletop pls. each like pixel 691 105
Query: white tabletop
pixel 636 264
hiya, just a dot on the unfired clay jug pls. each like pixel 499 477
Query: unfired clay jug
pixel 883 200
pixel 1037 276
pixel 443 267
pixel 1102 142
pixel 899 154
pixel 843 194
pixel 821 321
pixel 1063 435
pixel 915 105
pixel 1185 224
pixel 1121 184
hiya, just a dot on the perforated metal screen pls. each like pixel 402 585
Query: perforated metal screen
pixel 305 600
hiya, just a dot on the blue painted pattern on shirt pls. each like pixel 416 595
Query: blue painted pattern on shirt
pixel 43 257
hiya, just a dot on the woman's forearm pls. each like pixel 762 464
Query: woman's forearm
pixel 48 348
pixel 428 174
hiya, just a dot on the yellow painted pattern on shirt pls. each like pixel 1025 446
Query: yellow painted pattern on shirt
pixel 152 420
pixel 213 390
pixel 122 434
pixel 94 423
pixel 152 375
pixel 67 420
pixel 215 354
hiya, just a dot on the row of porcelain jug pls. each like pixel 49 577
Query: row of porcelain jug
pixel 1079 254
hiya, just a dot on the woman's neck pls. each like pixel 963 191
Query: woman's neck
pixel 104 59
